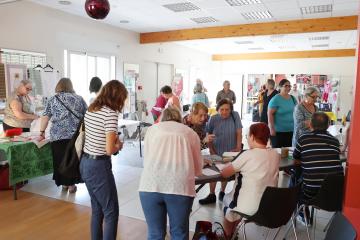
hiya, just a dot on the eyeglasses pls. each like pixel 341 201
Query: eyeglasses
pixel 28 89
pixel 314 97
pixel 287 86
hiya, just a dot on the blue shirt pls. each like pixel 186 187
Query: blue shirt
pixel 283 117
pixel 64 123
pixel 200 97
pixel 225 131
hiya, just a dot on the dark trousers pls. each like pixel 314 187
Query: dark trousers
pixel 100 182
pixel 281 139
pixel 7 127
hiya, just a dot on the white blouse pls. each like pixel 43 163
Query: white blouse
pixel 172 159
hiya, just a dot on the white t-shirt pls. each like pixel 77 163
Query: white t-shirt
pixel 259 168
pixel 172 159
pixel 97 124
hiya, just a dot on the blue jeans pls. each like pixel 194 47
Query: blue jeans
pixel 100 183
pixel 157 205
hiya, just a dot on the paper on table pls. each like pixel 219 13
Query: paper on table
pixel 212 157
pixel 230 154
pixel 209 172
pixel 221 166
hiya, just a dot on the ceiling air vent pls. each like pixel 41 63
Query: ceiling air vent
pixel 244 42
pixel 235 3
pixel 257 15
pixel 320 45
pixel 181 7
pixel 319 38
pixel 256 49
pixel 316 9
pixel 204 20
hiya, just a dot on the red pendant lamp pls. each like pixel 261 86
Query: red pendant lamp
pixel 97 9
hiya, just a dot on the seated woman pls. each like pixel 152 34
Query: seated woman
pixel 167 187
pixel 255 170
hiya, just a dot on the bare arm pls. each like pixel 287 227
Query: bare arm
pixel 238 140
pixel 271 121
pixel 228 171
pixel 16 107
pixel 44 123
pixel 113 143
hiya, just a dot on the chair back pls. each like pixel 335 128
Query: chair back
pixel 340 228
pixel 330 195
pixel 276 207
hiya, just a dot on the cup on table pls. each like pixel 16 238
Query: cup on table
pixel 284 152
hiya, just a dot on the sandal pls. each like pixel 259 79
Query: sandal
pixel 72 189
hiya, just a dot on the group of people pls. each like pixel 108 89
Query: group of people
pixel 172 155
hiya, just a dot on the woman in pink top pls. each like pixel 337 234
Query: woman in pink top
pixel 160 104
pixel 172 159
pixel 173 100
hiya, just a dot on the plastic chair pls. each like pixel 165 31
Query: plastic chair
pixel 276 208
pixel 340 228
pixel 329 198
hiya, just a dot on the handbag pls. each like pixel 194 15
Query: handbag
pixel 70 164
pixel 205 230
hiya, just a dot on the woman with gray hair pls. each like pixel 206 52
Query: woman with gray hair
pixel 303 113
pixel 18 111
pixel 199 95
pixel 172 159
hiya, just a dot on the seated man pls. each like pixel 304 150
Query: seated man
pixel 254 173
pixel 317 153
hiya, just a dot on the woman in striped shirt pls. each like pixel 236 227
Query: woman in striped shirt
pixel 101 141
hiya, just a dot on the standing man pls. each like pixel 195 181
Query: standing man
pixel 226 93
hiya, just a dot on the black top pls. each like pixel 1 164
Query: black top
pixel 266 100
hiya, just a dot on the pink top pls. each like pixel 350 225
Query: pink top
pixel 160 103
pixel 173 102
pixel 172 159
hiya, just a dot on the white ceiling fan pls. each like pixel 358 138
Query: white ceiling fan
pixel 3 2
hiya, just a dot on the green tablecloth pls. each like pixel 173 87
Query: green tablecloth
pixel 27 161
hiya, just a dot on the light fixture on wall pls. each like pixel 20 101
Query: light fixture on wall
pixel 97 9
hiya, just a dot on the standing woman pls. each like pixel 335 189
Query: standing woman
pixel 172 99
pixel 101 141
pixel 280 116
pixel 269 93
pixel 94 87
pixel 200 96
pixel 303 113
pixel 18 111
pixel 65 110
pixel 172 159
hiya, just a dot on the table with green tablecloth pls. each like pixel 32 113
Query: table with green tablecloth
pixel 26 161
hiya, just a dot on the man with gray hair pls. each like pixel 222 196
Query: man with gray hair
pixel 226 93
pixel 318 155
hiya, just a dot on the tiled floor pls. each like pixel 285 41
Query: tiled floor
pixel 127 170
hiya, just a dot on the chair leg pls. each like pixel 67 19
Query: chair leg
pixel 237 229
pixel 306 221
pixel 244 234
pixel 293 226
pixel 314 220
pixel 293 222
pixel 328 224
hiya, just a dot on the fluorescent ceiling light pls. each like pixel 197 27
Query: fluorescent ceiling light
pixel 316 9
pixel 320 45
pixel 256 48
pixel 257 15
pixel 235 3
pixel 181 7
pixel 204 20
pixel 319 38
pixel 244 42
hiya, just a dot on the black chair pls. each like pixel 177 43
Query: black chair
pixel 329 198
pixel 340 228
pixel 276 208
pixel 186 107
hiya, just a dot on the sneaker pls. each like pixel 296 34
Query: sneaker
pixel 211 198
pixel 221 195
pixel 301 219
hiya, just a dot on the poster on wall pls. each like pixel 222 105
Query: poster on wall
pixel 131 76
pixel 178 83
pixel 14 73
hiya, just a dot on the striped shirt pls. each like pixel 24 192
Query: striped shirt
pixel 225 131
pixel 97 124
pixel 319 154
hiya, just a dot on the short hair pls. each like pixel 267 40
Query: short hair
pixel 283 82
pixel 226 82
pixel 198 88
pixel 64 85
pixel 320 121
pixel 112 95
pixel 95 85
pixel 166 89
pixel 261 132
pixel 196 107
pixel 223 102
pixel 171 114
pixel 271 82
pixel 310 90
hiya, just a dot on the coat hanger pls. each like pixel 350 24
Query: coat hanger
pixel 38 67
pixel 48 68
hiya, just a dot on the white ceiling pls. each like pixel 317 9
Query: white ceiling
pixel 151 15
pixel 276 43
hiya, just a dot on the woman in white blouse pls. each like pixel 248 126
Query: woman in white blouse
pixel 172 159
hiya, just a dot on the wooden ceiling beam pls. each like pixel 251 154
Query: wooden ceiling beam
pixel 285 55
pixel 256 29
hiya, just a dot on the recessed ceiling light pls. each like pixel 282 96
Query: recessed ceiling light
pixel 235 3
pixel 124 21
pixel 316 9
pixel 244 42
pixel 204 20
pixel 64 2
pixel 181 7
pixel 319 38
pixel 257 15
pixel 320 45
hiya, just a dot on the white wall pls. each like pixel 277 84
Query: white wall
pixel 344 67
pixel 31 27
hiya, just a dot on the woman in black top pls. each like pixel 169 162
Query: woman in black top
pixel 267 96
